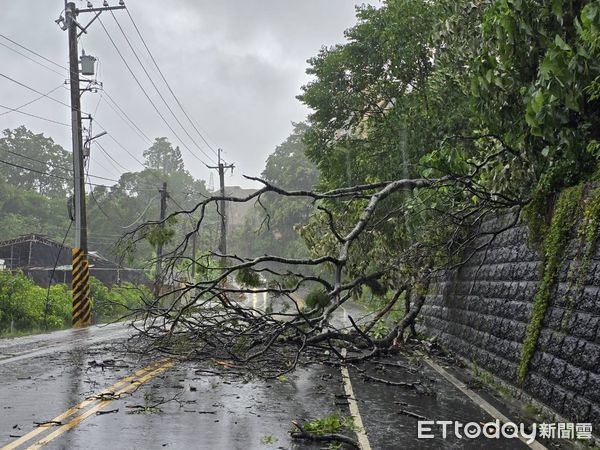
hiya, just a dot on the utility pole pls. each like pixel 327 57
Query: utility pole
pixel 223 208
pixel 82 307
pixel 159 248
pixel 76 133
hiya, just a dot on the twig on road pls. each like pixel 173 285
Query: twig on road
pixel 392 383
pixel 112 411
pixel 333 437
pixel 48 422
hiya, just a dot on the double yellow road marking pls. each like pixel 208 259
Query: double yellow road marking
pixel 130 383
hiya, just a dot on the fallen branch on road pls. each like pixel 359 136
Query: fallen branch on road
pixel 391 383
pixel 332 437
pixel 48 422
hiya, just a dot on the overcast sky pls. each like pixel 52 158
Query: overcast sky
pixel 235 65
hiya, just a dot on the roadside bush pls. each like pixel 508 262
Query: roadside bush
pixel 109 305
pixel 247 277
pixel 317 298
pixel 28 308
pixel 24 306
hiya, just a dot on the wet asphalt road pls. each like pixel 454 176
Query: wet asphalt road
pixel 182 407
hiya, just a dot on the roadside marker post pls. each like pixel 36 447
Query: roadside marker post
pixel 82 306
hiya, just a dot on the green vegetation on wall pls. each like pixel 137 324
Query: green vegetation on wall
pixel 567 211
pixel 587 238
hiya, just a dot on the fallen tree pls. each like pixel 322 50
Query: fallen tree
pixel 211 318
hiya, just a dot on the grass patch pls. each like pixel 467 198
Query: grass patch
pixel 334 423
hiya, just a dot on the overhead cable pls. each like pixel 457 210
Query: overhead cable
pixel 167 83
pixel 156 88
pixel 144 91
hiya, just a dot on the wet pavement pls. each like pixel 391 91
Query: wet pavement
pixel 188 406
pixel 183 407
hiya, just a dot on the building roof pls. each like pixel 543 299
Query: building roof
pixel 32 237
pixel 94 257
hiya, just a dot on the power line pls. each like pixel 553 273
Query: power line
pixel 102 166
pixel 68 169
pixel 42 95
pixel 95 200
pixel 107 159
pixel 167 83
pixel 47 95
pixel 156 87
pixel 34 170
pixel 35 53
pixel 31 59
pixel 37 160
pixel 119 144
pixel 47 302
pixel 126 115
pixel 68 106
pixel 33 115
pixel 35 90
pixel 31 101
pixel 111 158
pixel 142 214
pixel 144 91
pixel 49 174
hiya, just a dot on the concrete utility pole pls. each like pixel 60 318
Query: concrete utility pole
pixel 81 303
pixel 223 208
pixel 159 248
pixel 76 133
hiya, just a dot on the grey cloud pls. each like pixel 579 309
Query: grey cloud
pixel 236 65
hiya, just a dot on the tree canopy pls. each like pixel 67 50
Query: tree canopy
pixel 163 158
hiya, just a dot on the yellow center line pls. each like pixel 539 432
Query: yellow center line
pixel 80 406
pixel 98 407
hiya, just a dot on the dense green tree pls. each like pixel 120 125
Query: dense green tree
pixel 24 148
pixel 32 202
pixel 533 82
pixel 379 101
pixel 502 91
pixel 162 157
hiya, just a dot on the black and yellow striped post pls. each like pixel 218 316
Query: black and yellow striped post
pixel 82 307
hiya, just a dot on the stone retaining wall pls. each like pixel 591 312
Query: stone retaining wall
pixel 483 309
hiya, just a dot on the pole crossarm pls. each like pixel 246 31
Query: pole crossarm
pixel 99 10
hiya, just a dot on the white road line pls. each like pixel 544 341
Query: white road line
pixel 361 434
pixel 476 398
pixel 63 347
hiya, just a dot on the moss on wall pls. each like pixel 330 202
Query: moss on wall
pixel 568 210
pixel 587 237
